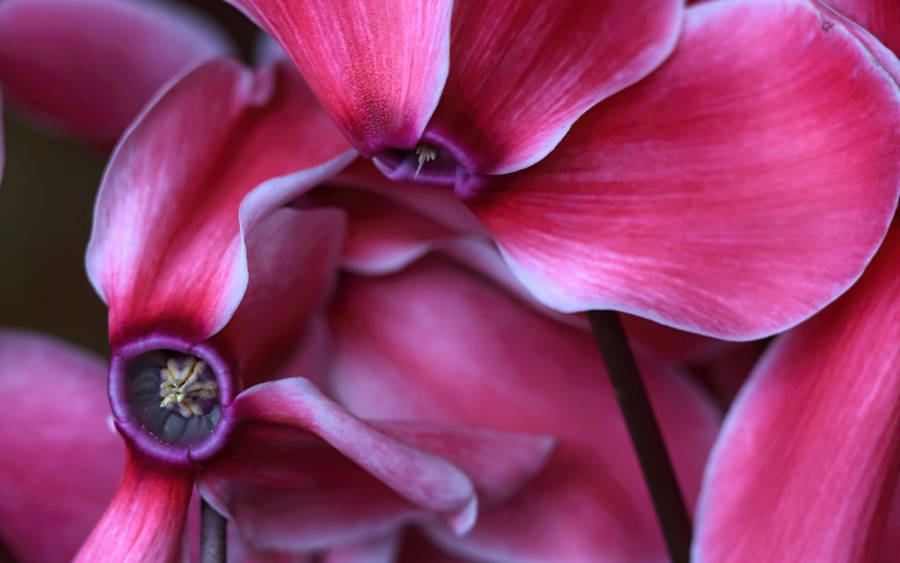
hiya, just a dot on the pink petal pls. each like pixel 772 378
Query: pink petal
pixel 216 153
pixel 441 344
pixel 806 465
pixel 378 550
pixel 292 261
pixel 146 518
pixel 734 192
pixel 351 479
pixel 377 66
pixel 523 71
pixel 880 17
pixel 88 67
pixel 61 459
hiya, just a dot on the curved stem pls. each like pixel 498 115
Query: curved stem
pixel 671 511
pixel 213 538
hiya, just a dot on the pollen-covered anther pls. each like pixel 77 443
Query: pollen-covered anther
pixel 187 387
pixel 425 153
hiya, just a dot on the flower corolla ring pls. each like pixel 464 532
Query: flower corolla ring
pixel 169 398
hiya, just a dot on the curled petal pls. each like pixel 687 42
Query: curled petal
pixel 88 67
pixel 145 521
pixel 523 71
pixel 377 66
pixel 292 261
pixel 438 343
pixel 806 464
pixel 880 17
pixel 217 152
pixel 61 459
pixel 734 192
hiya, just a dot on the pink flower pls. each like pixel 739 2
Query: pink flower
pixel 437 395
pixel 733 191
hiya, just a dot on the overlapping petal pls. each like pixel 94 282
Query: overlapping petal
pixel 881 17
pixel 806 465
pixel 304 473
pixel 217 152
pixel 377 66
pixel 61 459
pixel 437 343
pixel 734 192
pixel 292 262
pixel 523 71
pixel 145 520
pixel 88 67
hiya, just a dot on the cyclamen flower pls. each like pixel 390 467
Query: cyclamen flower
pixel 214 286
pixel 730 179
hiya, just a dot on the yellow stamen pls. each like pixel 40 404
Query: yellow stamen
pixel 183 387
pixel 426 153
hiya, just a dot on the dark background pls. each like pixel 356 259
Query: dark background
pixel 46 200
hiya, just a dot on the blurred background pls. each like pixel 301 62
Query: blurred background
pixel 46 200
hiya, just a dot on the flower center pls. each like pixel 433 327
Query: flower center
pixel 187 387
pixel 426 164
pixel 169 398
pixel 174 396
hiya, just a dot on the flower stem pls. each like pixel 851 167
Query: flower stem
pixel 212 535
pixel 656 466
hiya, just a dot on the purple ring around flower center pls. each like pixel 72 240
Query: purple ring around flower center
pixel 170 398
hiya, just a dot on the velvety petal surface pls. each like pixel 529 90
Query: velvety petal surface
pixel 377 66
pixel 806 465
pixel 303 473
pixel 880 17
pixel 734 192
pixel 292 261
pixel 61 458
pixel 441 344
pixel 222 148
pixel 88 67
pixel 145 521
pixel 523 71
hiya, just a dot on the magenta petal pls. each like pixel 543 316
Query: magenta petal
pixel 805 467
pixel 89 66
pixel 217 152
pixel 377 66
pixel 438 343
pixel 61 459
pixel 145 521
pixel 381 549
pixel 523 71
pixel 880 17
pixel 424 482
pixel 292 261
pixel 733 193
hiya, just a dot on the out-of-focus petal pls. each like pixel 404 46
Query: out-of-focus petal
pixel 734 192
pixel 218 151
pixel 145 521
pixel 61 459
pixel 437 343
pixel 88 67
pixel 377 66
pixel 292 260
pixel 382 549
pixel 880 17
pixel 670 343
pixel 523 71
pixel 350 479
pixel 806 464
